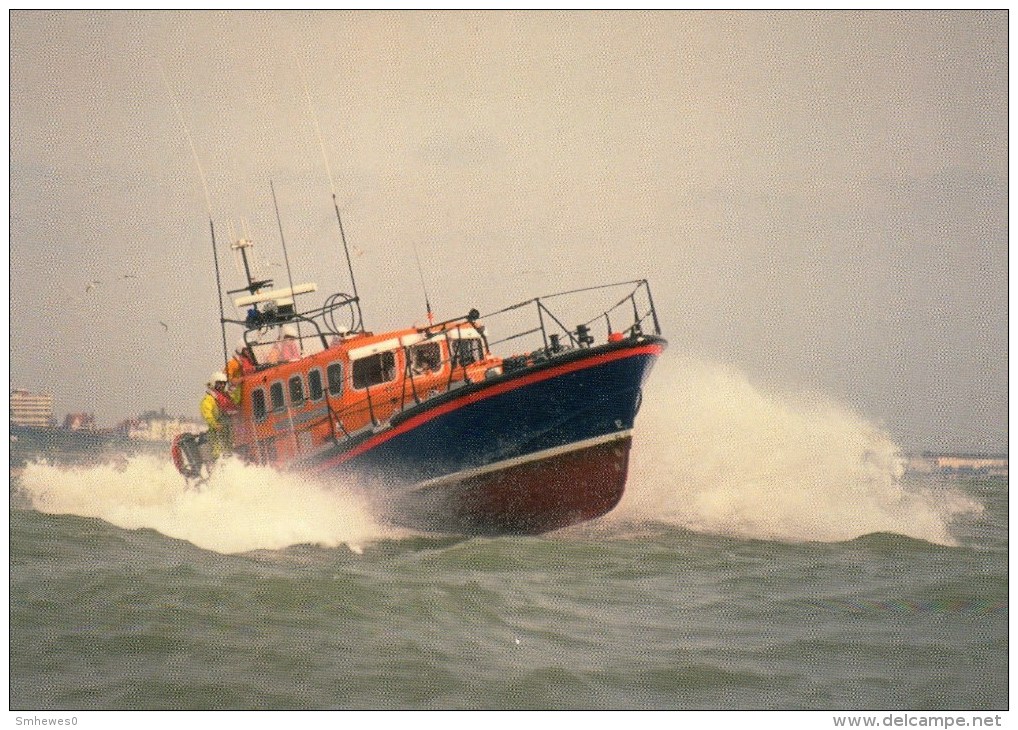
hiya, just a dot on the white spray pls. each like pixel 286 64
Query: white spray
pixel 715 453
pixel 241 508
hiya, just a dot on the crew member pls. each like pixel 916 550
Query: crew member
pixel 217 408
pixel 241 364
pixel 287 348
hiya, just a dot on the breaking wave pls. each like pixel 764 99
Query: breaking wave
pixel 715 453
pixel 240 509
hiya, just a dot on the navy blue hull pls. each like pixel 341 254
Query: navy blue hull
pixel 495 443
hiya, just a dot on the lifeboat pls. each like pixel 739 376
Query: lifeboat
pixel 435 427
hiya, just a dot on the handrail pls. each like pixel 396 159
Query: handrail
pixel 638 282
pixel 578 337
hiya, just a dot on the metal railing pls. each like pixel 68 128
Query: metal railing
pixel 633 314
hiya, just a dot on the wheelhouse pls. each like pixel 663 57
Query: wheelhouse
pixel 355 384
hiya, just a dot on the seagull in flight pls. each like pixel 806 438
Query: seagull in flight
pixel 166 327
pixel 92 285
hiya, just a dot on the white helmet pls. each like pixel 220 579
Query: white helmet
pixel 289 330
pixel 217 378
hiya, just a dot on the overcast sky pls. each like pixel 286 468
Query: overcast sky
pixel 819 199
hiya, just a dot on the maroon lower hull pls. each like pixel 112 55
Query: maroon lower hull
pixel 529 498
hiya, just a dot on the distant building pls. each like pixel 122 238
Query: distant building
pixel 158 426
pixel 978 464
pixel 79 421
pixel 31 409
pixel 959 464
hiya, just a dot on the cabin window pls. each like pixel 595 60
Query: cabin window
pixel 426 358
pixel 334 374
pixel 315 390
pixel 467 350
pixel 374 369
pixel 276 396
pixel 258 404
pixel 296 391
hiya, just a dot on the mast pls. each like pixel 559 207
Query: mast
pixel 349 265
pixel 286 257
pixel 208 207
pixel 332 187
pixel 253 285
pixel 424 286
pixel 219 291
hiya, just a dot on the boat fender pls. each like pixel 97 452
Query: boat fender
pixel 177 452
pixel 186 451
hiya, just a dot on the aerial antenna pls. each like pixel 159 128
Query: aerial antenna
pixel 208 207
pixel 190 141
pixel 286 257
pixel 238 252
pixel 332 188
pixel 241 243
pixel 424 286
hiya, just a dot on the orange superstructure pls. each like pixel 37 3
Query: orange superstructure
pixel 356 382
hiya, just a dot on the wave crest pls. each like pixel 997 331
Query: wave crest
pixel 715 453
pixel 241 508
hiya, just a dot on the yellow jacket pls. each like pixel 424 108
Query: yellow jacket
pixel 210 412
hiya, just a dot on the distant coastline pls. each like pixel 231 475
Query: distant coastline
pixel 958 464
pixel 73 446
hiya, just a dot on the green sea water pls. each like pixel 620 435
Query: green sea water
pixel 630 616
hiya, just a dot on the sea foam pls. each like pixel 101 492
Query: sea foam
pixel 241 508
pixel 716 453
